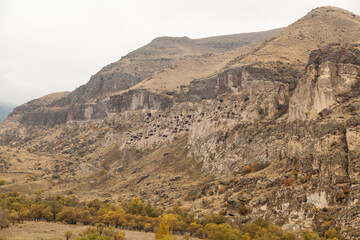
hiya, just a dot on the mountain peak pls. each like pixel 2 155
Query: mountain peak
pixel 172 39
pixel 318 28
pixel 330 9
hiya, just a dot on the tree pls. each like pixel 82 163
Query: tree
pixel 14 217
pixel 222 232
pixel 56 207
pixel 100 227
pixel 68 235
pixel 151 211
pixel 47 214
pixel 68 214
pixel 193 227
pixel 4 222
pixel 15 206
pixel 84 216
pixel 36 210
pixel 166 227
pixel 135 206
pixel 24 214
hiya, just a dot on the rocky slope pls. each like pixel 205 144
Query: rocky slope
pixel 269 129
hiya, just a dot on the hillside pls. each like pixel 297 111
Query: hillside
pixel 158 54
pixel 250 125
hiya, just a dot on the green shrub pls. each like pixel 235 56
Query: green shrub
pixel 310 235
pixel 222 232
pixel 262 223
pixel 243 209
pixel 332 234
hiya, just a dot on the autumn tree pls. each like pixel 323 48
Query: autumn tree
pixel 166 227
pixel 68 214
pixel 68 235
pixel 135 206
pixel 4 222
pixel 47 214
pixel 222 232
pixel 14 217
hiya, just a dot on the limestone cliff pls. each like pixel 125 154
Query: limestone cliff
pixel 330 76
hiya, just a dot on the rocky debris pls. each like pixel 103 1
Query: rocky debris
pixel 3 165
pixel 174 178
pixel 142 178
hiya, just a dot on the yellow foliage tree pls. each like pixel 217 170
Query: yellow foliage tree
pixel 166 227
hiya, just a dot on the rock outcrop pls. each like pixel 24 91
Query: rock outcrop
pixel 331 74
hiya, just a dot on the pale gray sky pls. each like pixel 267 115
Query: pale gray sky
pixel 56 45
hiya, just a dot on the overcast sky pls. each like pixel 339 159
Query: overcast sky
pixel 56 45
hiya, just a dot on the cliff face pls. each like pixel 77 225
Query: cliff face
pixel 261 90
pixel 139 99
pixel 330 75
pixel 275 138
pixel 279 131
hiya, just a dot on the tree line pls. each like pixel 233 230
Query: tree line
pixel 136 215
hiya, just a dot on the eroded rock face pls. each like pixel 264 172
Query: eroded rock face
pixel 137 100
pixel 264 89
pixel 331 74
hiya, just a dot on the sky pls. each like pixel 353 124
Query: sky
pixel 57 45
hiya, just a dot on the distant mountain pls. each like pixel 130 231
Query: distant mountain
pixel 4 111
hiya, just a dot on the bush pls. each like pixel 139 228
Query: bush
pixel 222 232
pixel 253 167
pixel 332 234
pixel 68 235
pixel 243 209
pixel 310 235
pixel 262 223
pixel 253 231
pixel 288 182
pixel 305 179
pixel 2 182
pixel 92 233
pixel 247 169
